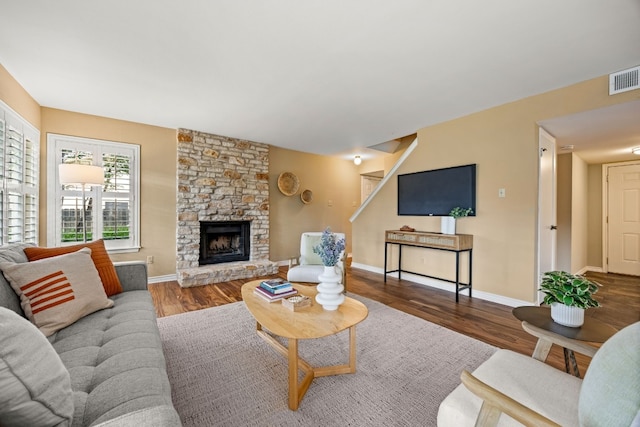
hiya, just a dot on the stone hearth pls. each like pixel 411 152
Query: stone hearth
pixel 221 179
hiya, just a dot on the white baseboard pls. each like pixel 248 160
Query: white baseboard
pixel 446 286
pixel 165 278
pixel 590 268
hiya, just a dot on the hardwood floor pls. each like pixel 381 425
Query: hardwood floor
pixel 486 321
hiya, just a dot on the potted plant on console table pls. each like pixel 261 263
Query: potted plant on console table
pixel 448 223
pixel 569 295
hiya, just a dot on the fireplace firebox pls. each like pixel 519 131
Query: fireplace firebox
pixel 224 241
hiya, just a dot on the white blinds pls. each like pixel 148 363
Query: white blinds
pixel 19 142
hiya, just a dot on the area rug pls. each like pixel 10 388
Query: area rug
pixel 223 374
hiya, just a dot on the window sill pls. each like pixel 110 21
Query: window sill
pixel 127 250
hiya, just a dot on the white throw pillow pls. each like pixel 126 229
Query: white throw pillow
pixel 55 292
pixel 35 387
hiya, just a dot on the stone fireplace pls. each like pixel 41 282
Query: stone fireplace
pixel 224 241
pixel 222 179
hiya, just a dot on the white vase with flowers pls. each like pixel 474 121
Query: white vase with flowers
pixel 330 249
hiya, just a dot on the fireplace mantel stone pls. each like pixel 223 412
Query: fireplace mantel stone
pixel 216 273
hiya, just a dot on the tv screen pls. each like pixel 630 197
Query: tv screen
pixel 436 192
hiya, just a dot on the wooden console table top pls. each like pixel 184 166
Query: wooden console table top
pixel 454 242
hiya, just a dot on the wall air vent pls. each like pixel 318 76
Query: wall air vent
pixel 625 80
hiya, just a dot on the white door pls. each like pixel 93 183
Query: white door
pixel 369 183
pixel 546 205
pixel 623 212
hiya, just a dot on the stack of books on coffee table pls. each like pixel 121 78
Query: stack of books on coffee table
pixel 275 289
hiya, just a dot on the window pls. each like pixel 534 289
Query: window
pixel 19 178
pixel 110 211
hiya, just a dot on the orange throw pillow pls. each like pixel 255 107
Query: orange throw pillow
pixel 99 255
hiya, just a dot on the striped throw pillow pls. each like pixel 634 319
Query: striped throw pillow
pixel 55 292
pixel 99 255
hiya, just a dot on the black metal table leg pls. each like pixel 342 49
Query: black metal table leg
pixel 457 275
pixel 470 270
pixel 386 245
pixel 399 261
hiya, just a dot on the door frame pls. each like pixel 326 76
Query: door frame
pixel 605 209
pixel 544 136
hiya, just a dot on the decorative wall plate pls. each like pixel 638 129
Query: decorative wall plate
pixel 306 196
pixel 288 183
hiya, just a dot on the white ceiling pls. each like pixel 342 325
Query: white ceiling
pixel 321 76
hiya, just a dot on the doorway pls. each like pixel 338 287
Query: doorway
pixel 546 238
pixel 368 183
pixel 621 218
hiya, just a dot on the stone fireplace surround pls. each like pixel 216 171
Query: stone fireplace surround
pixel 221 179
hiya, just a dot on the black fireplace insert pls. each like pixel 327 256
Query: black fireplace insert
pixel 224 241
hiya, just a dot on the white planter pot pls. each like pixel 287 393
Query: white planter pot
pixel 448 225
pixel 329 290
pixel 567 316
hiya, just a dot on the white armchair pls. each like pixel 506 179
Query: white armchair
pixel 510 386
pixel 308 266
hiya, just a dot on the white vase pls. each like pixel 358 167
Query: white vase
pixel 329 290
pixel 448 225
pixel 566 315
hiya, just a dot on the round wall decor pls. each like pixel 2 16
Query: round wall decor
pixel 306 196
pixel 288 183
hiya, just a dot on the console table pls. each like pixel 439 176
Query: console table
pixel 444 242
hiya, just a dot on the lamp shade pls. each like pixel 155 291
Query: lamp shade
pixel 72 173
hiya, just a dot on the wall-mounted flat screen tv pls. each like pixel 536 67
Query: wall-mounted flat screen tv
pixel 436 192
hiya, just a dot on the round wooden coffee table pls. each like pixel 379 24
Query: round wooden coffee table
pixel 311 322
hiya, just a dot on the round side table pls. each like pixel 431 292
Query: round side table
pixel 548 332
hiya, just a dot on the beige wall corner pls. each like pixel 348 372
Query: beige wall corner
pixel 579 214
pixel 563 211
pixel 335 184
pixel 14 95
pixel 158 148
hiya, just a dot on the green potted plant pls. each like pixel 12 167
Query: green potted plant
pixel 569 295
pixel 459 212
pixel 448 223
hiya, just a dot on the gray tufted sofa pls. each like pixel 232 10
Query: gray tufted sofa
pixel 114 356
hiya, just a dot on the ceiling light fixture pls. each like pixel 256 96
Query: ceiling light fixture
pixel 357 160
pixel 636 151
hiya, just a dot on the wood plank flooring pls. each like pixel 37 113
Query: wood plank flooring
pixel 486 321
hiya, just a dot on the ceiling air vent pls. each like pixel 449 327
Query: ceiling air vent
pixel 625 80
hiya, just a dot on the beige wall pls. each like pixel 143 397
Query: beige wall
pixel 157 175
pixel 335 183
pixel 330 178
pixel 503 141
pixel 158 168
pixel 14 95
pixel 594 220
pixel 564 172
pixel 579 214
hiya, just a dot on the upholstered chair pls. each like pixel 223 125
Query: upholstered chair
pixel 308 266
pixel 511 389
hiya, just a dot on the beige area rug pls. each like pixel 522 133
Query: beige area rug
pixel 223 374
